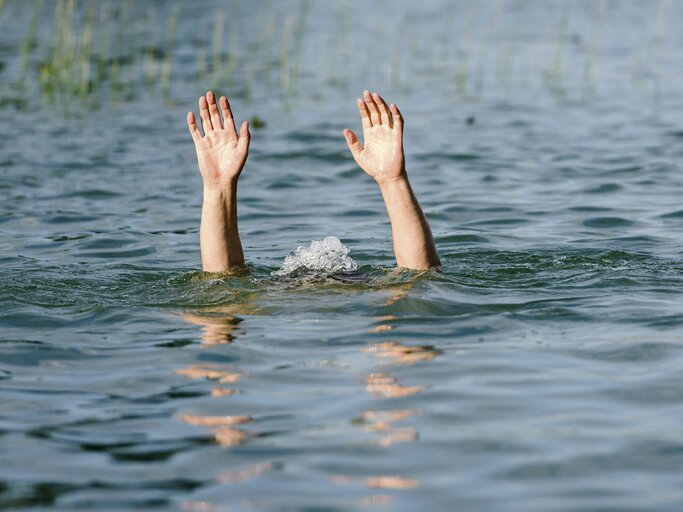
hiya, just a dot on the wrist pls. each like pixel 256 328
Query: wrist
pixel 220 189
pixel 392 183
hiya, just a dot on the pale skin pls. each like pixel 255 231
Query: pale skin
pixel 382 158
pixel 222 153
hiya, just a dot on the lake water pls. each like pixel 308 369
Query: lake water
pixel 541 370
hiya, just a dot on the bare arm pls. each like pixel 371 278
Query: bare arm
pixel 221 155
pixel 382 158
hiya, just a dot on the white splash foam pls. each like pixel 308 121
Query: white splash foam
pixel 328 255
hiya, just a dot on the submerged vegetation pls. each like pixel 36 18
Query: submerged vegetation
pixel 78 52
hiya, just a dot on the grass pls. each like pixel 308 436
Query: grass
pixel 84 53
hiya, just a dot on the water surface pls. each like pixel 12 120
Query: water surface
pixel 539 371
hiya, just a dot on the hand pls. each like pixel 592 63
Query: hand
pixel 382 157
pixel 221 154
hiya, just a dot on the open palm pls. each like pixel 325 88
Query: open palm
pixel 382 155
pixel 221 153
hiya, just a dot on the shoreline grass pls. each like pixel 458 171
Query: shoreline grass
pixel 76 52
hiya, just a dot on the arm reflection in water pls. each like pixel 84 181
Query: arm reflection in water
pixel 382 158
pixel 384 386
pixel 219 325
pixel 223 428
pixel 217 328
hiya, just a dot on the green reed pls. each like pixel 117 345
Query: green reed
pixel 169 43
pixel 150 65
pixel 29 43
pixel 590 65
pixel 79 51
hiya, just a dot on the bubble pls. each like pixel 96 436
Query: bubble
pixel 327 256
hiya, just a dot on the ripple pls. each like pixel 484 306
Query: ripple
pixel 588 208
pixel 457 157
pixel 498 222
pixel 640 352
pixel 636 456
pixel 465 238
pixel 623 170
pixel 678 214
pixel 89 194
pixel 607 222
pixel 605 188
pixel 539 369
pixel 68 218
pixel 133 253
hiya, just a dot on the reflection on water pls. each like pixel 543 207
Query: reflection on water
pixel 218 392
pixel 240 475
pixel 380 328
pixel 403 354
pixel 398 293
pixel 378 482
pixel 211 372
pixel 213 421
pixel 227 436
pixel 217 328
pixel 384 385
pixel 202 506
pixel 382 422
pixel 541 366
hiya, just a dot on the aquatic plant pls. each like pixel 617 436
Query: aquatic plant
pixel 87 53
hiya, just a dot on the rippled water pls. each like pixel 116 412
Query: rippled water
pixel 540 370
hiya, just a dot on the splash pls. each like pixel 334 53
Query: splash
pixel 328 256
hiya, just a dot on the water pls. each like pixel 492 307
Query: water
pixel 328 257
pixel 539 371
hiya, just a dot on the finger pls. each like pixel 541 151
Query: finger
pixel 372 107
pixel 364 114
pixel 213 111
pixel 398 118
pixel 353 144
pixel 194 129
pixel 383 110
pixel 245 137
pixel 228 120
pixel 204 114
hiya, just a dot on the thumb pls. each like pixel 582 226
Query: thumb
pixel 245 136
pixel 352 143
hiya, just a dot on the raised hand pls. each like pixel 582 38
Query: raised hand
pixel 221 153
pixel 382 156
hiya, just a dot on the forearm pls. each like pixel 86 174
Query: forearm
pixel 413 243
pixel 218 235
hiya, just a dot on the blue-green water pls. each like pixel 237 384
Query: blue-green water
pixel 541 370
